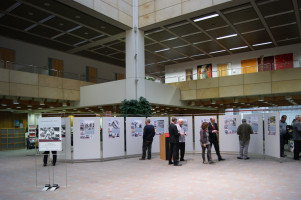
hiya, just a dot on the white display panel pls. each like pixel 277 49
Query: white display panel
pixel 256 141
pixel 134 135
pixel 161 127
pixel 187 125
pixel 66 140
pixel 198 120
pixel 86 138
pixel 228 138
pixel 50 136
pixel 113 137
pixel 272 135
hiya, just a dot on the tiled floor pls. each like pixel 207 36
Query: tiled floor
pixel 257 178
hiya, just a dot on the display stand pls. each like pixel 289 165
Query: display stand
pixel 272 135
pixel 188 128
pixel 162 147
pixel 161 126
pixel 198 120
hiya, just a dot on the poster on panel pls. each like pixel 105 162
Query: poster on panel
pixel 204 71
pixel 161 126
pixel 50 136
pixel 134 135
pixel 187 127
pixel 256 140
pixel 86 138
pixel 228 138
pixel 272 135
pixel 198 121
pixel 66 139
pixel 113 137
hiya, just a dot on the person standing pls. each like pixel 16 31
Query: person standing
pixel 54 157
pixel 148 135
pixel 282 129
pixel 182 139
pixel 244 130
pixel 297 137
pixel 205 143
pixel 213 137
pixel 174 143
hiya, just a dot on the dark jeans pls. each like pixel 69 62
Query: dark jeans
pixel 208 147
pixel 174 152
pixel 282 138
pixel 147 145
pixel 297 149
pixel 216 147
pixel 46 157
pixel 182 150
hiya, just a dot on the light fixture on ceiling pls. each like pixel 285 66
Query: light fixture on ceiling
pixel 288 98
pixel 261 98
pixel 18 107
pixel 162 50
pixel 213 101
pixel 226 36
pixel 206 17
pixel 29 106
pixel 40 108
pixel 8 108
pixel 16 102
pixel 64 104
pixel 260 44
pixel 29 109
pixel 216 51
pixel 243 47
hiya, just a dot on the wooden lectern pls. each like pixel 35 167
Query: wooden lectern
pixel 162 147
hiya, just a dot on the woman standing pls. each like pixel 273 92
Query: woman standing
pixel 205 143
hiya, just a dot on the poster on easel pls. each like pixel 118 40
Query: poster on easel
pixel 188 128
pixel 87 130
pixel 161 126
pixel 272 134
pixel 134 134
pixel 256 139
pixel 114 128
pixel 50 136
pixel 228 138
pixel 198 121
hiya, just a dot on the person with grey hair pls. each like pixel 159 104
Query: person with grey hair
pixel 297 137
pixel 148 135
pixel 244 130
pixel 174 142
pixel 182 139
pixel 283 131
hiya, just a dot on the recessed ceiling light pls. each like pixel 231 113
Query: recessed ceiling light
pixel 77 17
pixel 40 108
pixel 162 50
pixel 206 17
pixel 243 47
pixel 51 107
pixel 216 51
pixel 8 108
pixel 18 107
pixel 227 36
pixel 29 106
pixel 29 109
pixel 3 104
pixel 260 44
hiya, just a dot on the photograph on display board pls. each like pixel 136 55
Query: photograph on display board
pixel 136 127
pixel 230 125
pixel 204 71
pixel 114 128
pixel 49 134
pixel 86 129
pixel 159 126
pixel 253 121
pixel 272 125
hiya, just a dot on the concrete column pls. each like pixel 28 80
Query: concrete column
pixel 135 69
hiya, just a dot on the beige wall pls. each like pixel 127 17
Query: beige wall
pixel 24 84
pixel 119 10
pixel 260 83
pixel 154 11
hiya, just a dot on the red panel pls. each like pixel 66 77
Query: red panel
pixel 268 63
pixel 284 61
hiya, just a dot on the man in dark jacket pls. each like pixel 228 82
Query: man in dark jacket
pixel 213 133
pixel 244 130
pixel 174 142
pixel 297 137
pixel 148 135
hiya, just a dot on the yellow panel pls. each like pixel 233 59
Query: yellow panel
pixel 249 66
pixel 222 70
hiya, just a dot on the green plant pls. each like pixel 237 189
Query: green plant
pixel 136 108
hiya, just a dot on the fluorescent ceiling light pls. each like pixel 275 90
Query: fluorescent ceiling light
pixel 16 102
pixel 207 17
pixel 46 19
pixel 80 43
pixel 173 38
pixel 226 36
pixel 30 27
pixel 198 55
pixel 73 29
pixel 162 50
pixel 164 61
pixel 180 58
pixel 217 51
pixel 260 44
pixel 243 47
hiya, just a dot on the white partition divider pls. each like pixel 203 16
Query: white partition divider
pixel 113 137
pixel 256 141
pixel 134 135
pixel 198 120
pixel 66 140
pixel 86 138
pixel 161 126
pixel 187 125
pixel 272 135
pixel 228 138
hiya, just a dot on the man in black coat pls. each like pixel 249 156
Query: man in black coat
pixel 213 133
pixel 148 135
pixel 174 143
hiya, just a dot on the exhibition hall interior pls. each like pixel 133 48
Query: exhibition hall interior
pixel 150 99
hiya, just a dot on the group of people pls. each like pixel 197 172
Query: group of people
pixel 209 137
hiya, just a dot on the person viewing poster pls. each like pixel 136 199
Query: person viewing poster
pixel 272 125
pixel 230 125
pixel 136 128
pixel 253 121
pixel 114 128
pixel 50 136
pixel 159 126
pixel 86 129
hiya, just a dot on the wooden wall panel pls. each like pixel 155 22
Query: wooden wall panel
pixel 7 119
pixel 249 66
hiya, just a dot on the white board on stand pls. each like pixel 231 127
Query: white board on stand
pixel 66 140
pixel 256 140
pixel 134 135
pixel 228 138
pixel 187 125
pixel 161 126
pixel 86 138
pixel 113 137
pixel 272 134
pixel 198 121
